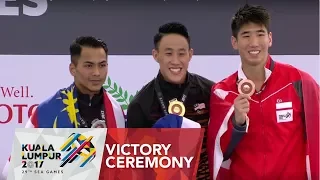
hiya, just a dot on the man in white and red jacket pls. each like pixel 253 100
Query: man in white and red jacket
pixel 282 139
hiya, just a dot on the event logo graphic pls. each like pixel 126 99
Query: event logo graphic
pixel 29 8
pixel 77 147
pixel 35 155
pixel 122 96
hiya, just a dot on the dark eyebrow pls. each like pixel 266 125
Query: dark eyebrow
pixel 103 61
pixel 245 32
pixel 261 31
pixel 168 49
pixel 89 62
pixel 258 31
pixel 182 49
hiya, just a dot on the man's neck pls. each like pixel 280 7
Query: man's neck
pixel 177 84
pixel 85 91
pixel 91 94
pixel 254 73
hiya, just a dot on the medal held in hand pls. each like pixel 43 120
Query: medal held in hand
pixel 176 107
pixel 246 87
pixel 97 123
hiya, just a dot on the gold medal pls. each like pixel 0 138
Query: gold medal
pixel 176 107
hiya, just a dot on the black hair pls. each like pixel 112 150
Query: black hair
pixel 250 14
pixel 85 41
pixel 170 28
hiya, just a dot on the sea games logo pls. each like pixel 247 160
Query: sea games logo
pixel 34 156
pixel 28 8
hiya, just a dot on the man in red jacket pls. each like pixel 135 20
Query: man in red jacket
pixel 272 133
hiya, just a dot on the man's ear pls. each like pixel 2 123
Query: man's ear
pixel 270 39
pixel 191 53
pixel 72 69
pixel 155 55
pixel 234 43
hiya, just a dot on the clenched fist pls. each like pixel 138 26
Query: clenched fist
pixel 241 108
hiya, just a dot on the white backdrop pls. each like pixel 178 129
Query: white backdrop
pixel 44 75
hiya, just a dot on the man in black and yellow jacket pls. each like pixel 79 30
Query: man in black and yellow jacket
pixel 174 86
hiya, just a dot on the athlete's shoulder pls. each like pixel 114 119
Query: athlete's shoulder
pixel 201 81
pixel 285 67
pixel 52 100
pixel 47 110
pixel 113 101
pixel 227 83
pixel 296 71
pixel 287 70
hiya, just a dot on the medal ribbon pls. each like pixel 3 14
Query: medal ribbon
pixel 161 98
pixel 84 124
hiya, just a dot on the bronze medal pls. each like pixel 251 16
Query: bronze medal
pixel 176 107
pixel 246 87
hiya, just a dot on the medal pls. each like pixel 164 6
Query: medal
pixel 97 123
pixel 176 107
pixel 246 87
